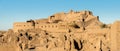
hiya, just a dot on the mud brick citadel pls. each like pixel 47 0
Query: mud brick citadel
pixel 72 31
pixel 62 22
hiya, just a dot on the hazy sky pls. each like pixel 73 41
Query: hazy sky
pixel 21 10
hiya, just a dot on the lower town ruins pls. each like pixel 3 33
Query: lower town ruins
pixel 72 31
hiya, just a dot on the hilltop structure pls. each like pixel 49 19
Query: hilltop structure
pixel 62 22
pixel 72 31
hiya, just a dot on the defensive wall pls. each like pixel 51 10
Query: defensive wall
pixel 115 35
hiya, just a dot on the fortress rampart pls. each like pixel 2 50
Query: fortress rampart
pixel 22 26
pixel 60 21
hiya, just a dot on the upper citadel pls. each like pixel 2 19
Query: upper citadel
pixel 62 22
pixel 72 31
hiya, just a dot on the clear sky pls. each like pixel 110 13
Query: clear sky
pixel 21 10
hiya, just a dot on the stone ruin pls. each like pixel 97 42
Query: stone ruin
pixel 72 31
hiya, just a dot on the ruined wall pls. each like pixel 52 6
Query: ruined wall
pixel 93 23
pixel 115 35
pixel 118 38
pixel 22 26
pixel 39 21
pixel 45 26
pixel 71 16
pixel 57 17
pixel 75 16
pixel 54 27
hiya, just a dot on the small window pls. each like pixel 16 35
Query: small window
pixel 52 26
pixel 41 26
pixel 83 20
pixel 56 26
